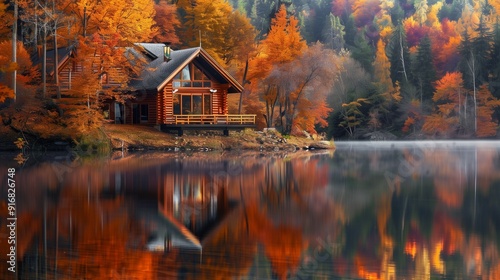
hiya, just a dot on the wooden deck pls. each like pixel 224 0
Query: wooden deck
pixel 208 122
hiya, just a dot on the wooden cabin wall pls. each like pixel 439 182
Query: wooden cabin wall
pixel 148 98
pixel 168 105
pixel 71 71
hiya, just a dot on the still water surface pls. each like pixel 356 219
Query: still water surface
pixel 427 210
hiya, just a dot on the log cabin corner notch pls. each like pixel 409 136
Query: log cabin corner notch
pixel 186 90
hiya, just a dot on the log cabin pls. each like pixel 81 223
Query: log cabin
pixel 175 90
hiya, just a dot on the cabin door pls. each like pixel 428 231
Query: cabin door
pixel 136 114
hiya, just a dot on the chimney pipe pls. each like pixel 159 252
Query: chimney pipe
pixel 166 52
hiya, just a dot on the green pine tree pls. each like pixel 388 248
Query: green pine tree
pixel 494 62
pixel 333 33
pixel 424 72
pixel 363 52
pixel 399 56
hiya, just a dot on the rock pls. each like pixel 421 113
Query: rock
pixel 379 136
pixel 321 145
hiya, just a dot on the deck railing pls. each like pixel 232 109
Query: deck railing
pixel 212 119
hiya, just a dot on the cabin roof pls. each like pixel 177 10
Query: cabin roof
pixel 158 72
pixel 63 54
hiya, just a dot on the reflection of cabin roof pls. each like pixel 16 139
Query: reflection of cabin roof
pixel 158 72
pixel 180 236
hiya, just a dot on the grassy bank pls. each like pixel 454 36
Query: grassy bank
pixel 130 137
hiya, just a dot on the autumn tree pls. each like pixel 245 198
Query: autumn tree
pixel 45 21
pixel 487 103
pixel 381 67
pixel 364 11
pixel 282 45
pixel 25 72
pixel 5 22
pixel 450 99
pixel 227 35
pixel 105 30
pixel 166 22
pixel 304 89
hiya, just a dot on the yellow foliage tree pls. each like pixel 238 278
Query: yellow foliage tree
pixel 225 34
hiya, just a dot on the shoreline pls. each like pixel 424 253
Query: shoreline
pixel 113 137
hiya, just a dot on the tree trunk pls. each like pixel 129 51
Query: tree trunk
pixel 402 56
pixel 240 104
pixel 14 49
pixel 56 65
pixel 56 55
pixel 44 61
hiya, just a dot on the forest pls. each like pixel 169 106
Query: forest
pixel 416 69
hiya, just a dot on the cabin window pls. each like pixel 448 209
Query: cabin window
pixel 192 104
pixel 144 112
pixel 177 104
pixel 191 76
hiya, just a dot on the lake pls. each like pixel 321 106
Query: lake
pixel 369 210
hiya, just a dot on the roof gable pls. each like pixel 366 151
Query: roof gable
pixel 158 72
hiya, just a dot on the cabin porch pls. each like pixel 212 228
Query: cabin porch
pixel 208 122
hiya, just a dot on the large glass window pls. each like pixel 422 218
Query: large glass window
pixel 191 76
pixel 192 104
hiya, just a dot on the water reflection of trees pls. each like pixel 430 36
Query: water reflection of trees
pixel 268 217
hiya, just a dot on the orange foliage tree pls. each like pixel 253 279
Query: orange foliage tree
pixel 364 11
pixel 23 67
pixel 487 103
pixel 449 96
pixel 166 21
pixel 282 45
pixel 5 22
pixel 107 28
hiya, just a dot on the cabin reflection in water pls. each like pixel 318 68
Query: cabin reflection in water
pixel 182 212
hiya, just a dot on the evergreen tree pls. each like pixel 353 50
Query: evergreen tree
pixel 397 13
pixel 363 52
pixel 333 33
pixel 399 56
pixel 481 48
pixel 466 63
pixel 314 23
pixel 494 62
pixel 424 72
pixel 350 30
pixel 451 11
